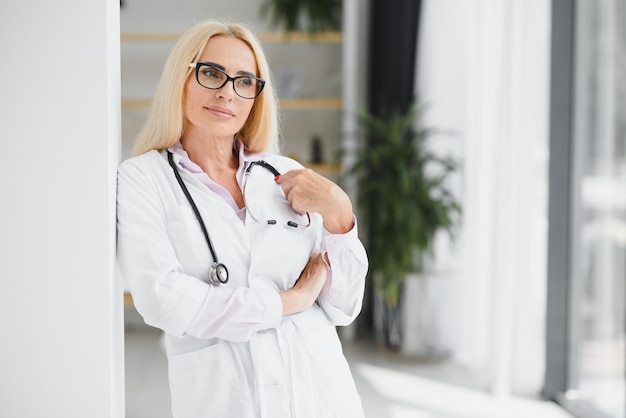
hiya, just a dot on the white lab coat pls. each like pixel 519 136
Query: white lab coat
pixel 230 351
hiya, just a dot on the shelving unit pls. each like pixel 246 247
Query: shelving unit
pixel 311 109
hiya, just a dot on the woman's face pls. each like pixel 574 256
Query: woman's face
pixel 219 113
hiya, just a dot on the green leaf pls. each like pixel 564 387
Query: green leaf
pixel 402 195
pixel 304 15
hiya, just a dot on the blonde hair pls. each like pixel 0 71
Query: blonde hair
pixel 165 124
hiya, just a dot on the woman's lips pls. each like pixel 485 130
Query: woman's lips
pixel 219 111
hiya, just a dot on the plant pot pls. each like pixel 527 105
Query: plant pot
pixel 423 317
pixel 387 327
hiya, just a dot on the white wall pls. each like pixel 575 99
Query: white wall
pixel 483 69
pixel 61 349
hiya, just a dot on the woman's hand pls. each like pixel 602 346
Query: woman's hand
pixel 308 286
pixel 308 191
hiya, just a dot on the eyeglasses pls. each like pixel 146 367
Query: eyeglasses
pixel 270 205
pixel 214 78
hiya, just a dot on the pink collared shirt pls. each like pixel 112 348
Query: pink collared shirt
pixel 204 178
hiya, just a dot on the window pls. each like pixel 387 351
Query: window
pixel 598 271
pixel 587 286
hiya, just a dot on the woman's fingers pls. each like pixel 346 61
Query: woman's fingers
pixel 308 191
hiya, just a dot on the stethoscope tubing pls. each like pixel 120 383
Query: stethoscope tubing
pixel 217 267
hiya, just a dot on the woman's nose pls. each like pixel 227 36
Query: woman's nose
pixel 227 91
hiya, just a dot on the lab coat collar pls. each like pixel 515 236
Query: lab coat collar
pixel 182 159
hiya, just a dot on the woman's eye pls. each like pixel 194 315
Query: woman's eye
pixel 210 72
pixel 245 82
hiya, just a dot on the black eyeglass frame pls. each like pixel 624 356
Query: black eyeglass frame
pixel 198 65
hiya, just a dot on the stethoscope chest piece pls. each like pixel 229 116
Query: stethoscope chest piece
pixel 218 274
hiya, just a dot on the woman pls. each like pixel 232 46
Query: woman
pixel 249 309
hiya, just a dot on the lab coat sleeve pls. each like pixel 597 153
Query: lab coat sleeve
pixel 163 294
pixel 236 315
pixel 342 296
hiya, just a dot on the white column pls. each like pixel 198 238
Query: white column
pixel 349 95
pixel 60 302
pixel 349 86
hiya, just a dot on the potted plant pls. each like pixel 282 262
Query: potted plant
pixel 303 15
pixel 403 200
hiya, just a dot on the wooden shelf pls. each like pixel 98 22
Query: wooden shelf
pixel 136 103
pixel 312 103
pixel 283 104
pixel 266 37
pixel 128 299
pixel 325 168
pixel 301 37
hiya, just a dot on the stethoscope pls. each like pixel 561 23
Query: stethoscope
pixel 218 273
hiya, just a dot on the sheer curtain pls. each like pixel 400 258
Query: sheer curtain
pixel 483 71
